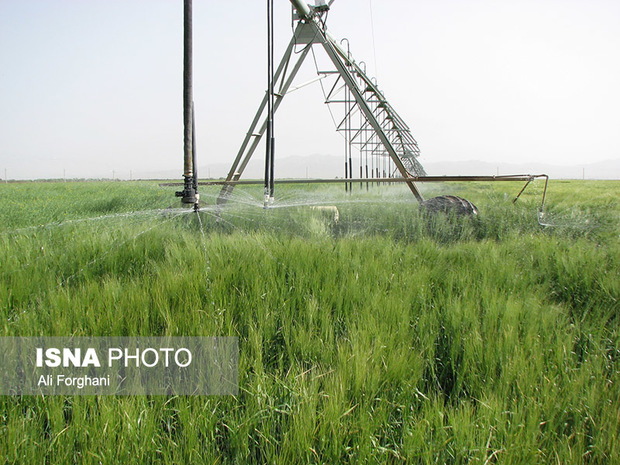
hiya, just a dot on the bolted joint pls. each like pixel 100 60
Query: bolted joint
pixel 188 193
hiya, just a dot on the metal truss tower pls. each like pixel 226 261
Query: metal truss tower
pixel 368 122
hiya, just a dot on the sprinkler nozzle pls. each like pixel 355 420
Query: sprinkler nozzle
pixel 266 199
pixel 189 191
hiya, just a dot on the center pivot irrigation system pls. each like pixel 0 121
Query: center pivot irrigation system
pixel 387 151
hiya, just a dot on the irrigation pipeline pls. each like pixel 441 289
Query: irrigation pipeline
pixel 527 178
pixel 516 177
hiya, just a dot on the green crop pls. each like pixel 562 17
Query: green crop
pixel 385 336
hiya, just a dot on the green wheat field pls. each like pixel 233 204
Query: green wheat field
pixel 377 335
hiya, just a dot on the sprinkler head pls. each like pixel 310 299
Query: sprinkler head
pixel 188 194
pixel 266 199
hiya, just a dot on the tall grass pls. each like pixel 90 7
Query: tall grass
pixel 384 337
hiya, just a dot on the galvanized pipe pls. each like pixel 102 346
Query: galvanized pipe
pixel 194 164
pixel 188 193
pixel 188 169
pixel 303 10
pixel 517 177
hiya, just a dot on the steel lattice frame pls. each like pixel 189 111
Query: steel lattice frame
pixel 369 123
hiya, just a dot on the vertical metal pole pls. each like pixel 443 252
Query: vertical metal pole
pixel 348 141
pixel 187 89
pixel 189 192
pixel 372 166
pixel 272 151
pixel 269 142
pixel 194 165
pixel 361 123
pixel 271 166
pixel 363 149
pixel 384 170
pixel 347 132
pixel 361 176
pixel 268 138
pixel 346 135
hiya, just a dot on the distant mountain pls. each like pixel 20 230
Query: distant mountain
pixel 329 166
pixel 609 169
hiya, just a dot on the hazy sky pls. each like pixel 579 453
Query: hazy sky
pixel 88 87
